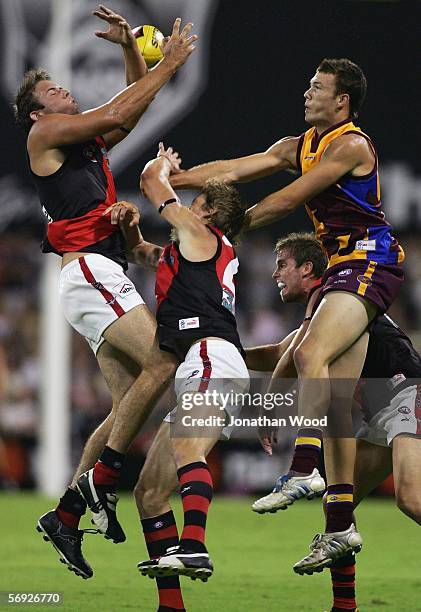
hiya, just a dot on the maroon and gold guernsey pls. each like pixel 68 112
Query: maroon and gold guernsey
pixel 347 216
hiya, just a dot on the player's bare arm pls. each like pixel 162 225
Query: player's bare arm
pixel 284 368
pixel 119 32
pixel 56 130
pixel 349 153
pixel 138 250
pixel 146 254
pixel 265 358
pixel 197 243
pixel 280 156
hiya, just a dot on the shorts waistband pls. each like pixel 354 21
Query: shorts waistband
pixel 89 256
pixel 210 342
pixel 69 266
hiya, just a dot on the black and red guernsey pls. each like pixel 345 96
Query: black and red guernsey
pixel 391 358
pixel 196 299
pixel 74 198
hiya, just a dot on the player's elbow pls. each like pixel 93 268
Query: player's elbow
pixel 288 205
pixel 148 178
pixel 149 173
pixel 230 177
pixel 302 356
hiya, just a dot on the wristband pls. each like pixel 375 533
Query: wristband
pixel 125 130
pixel 164 204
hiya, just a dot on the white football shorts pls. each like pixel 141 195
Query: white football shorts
pixel 94 292
pixel 211 366
pixel 401 416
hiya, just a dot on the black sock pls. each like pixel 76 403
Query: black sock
pixel 112 458
pixel 71 507
pixel 161 533
pixel 108 467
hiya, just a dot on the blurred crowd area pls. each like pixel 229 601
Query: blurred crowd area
pixel 262 319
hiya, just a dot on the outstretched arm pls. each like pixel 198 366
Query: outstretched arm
pixel 342 156
pixel 265 358
pixel 58 130
pixel 280 156
pixel 119 32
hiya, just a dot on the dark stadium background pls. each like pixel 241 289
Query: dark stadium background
pixel 262 57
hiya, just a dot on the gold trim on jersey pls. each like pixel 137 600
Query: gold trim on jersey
pixel 309 157
pixel 367 275
pixel 319 228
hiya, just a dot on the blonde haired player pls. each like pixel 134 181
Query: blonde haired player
pixel 196 297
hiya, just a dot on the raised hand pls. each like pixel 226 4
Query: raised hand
pixel 172 156
pixel 179 45
pixel 119 30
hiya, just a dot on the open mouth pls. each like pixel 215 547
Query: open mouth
pixel 281 285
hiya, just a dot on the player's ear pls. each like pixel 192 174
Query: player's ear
pixel 343 99
pixel 35 115
pixel 307 268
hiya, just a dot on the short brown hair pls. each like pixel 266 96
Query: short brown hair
pixel 25 100
pixel 229 210
pixel 303 247
pixel 350 79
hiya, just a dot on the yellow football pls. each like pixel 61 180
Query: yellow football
pixel 149 40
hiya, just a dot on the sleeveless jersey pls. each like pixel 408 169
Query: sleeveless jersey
pixel 347 217
pixel 196 299
pixel 390 355
pixel 73 200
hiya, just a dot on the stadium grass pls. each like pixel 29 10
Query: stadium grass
pixel 253 556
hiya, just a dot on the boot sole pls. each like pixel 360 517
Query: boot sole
pixel 202 574
pixel 70 566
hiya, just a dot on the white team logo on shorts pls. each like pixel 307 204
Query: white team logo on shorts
pixel 124 288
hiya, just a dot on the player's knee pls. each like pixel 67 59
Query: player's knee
pixel 187 451
pixel 308 356
pixel 151 497
pixel 302 358
pixel 408 500
pixel 163 366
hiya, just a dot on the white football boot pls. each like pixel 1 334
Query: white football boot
pixel 327 548
pixel 288 489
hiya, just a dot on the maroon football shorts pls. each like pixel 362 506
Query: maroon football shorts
pixel 375 282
